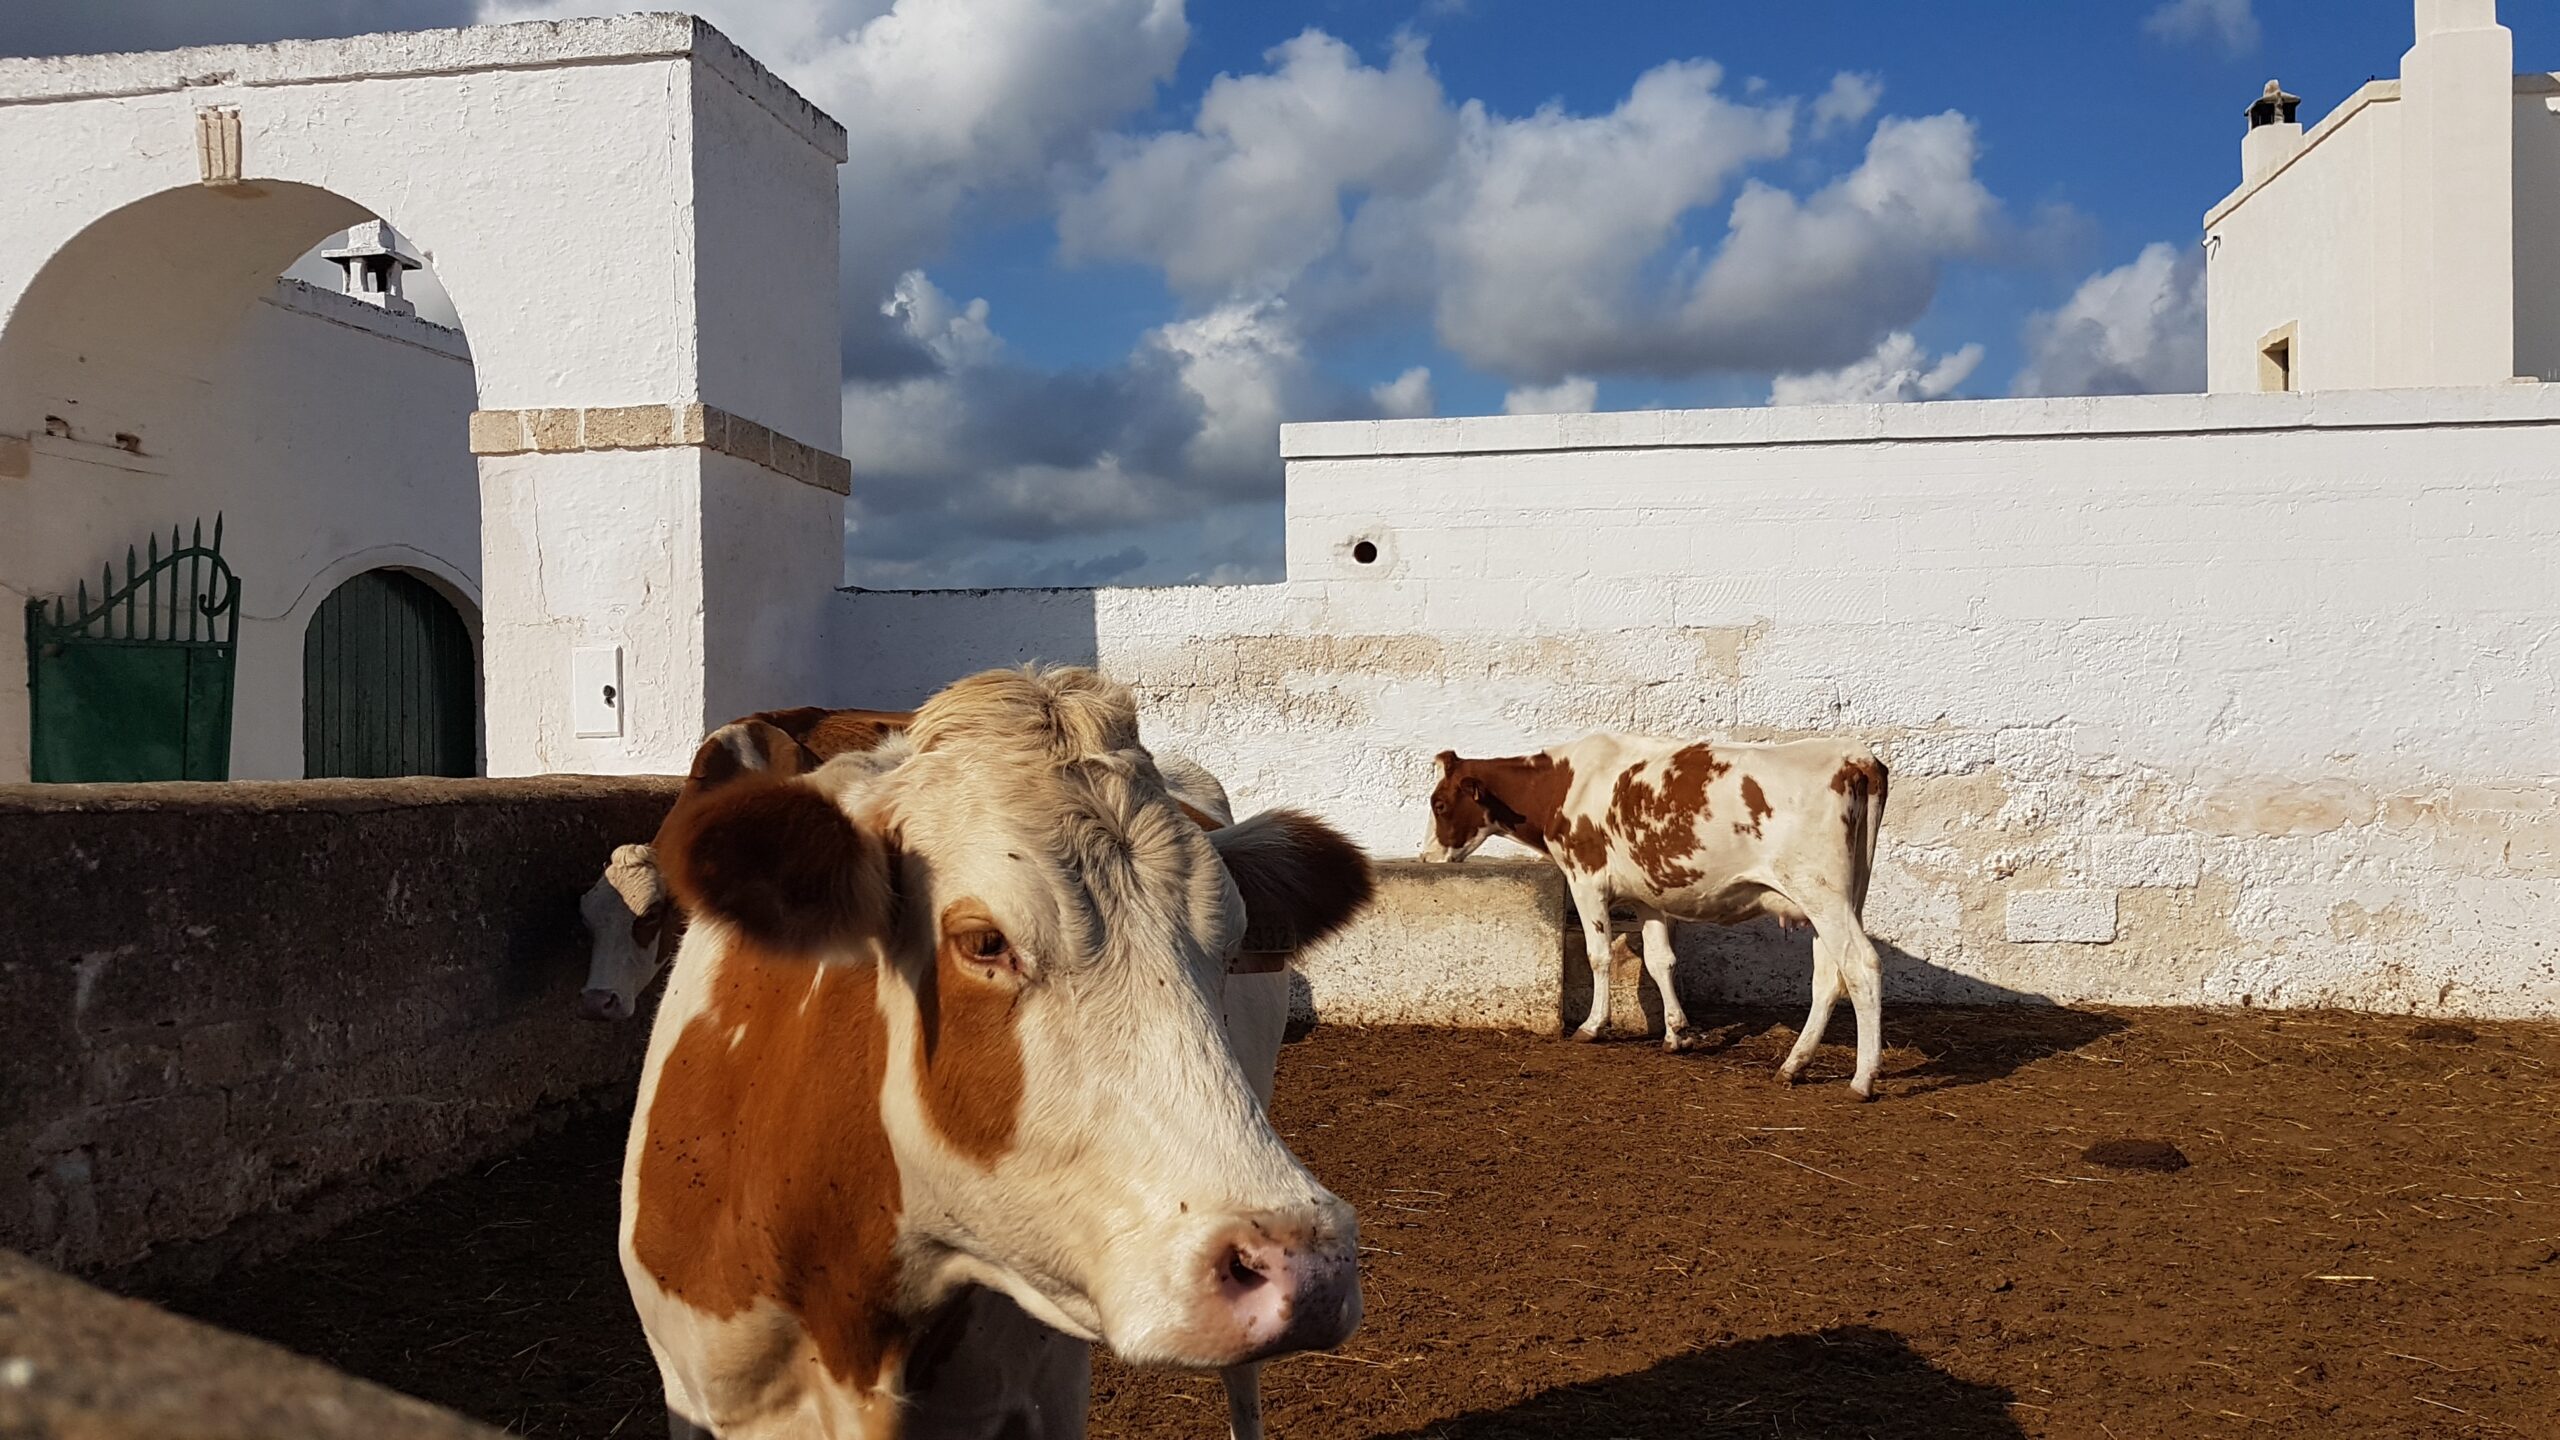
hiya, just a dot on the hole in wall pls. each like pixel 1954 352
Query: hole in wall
pixel 1365 551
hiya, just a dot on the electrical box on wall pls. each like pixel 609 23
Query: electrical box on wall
pixel 596 700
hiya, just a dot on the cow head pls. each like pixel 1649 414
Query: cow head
pixel 632 927
pixel 1040 935
pixel 1463 813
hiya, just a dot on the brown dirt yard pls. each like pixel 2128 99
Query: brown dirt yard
pixel 1605 1241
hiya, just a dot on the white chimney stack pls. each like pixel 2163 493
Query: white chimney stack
pixel 2274 134
pixel 373 259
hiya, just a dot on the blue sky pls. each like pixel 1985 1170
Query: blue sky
pixel 1096 251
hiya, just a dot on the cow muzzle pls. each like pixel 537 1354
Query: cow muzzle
pixel 1279 1284
pixel 605 1005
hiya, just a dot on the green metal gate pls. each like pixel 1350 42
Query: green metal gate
pixel 137 686
pixel 389 682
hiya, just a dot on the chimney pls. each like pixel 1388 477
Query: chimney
pixel 2274 134
pixel 373 259
pixel 2444 17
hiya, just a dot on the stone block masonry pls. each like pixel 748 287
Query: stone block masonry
pixel 233 1014
pixel 657 427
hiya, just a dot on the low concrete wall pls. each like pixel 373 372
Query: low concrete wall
pixel 231 1015
pixel 79 1364
pixel 1474 946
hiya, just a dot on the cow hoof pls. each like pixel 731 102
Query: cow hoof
pixel 1786 1076
pixel 1585 1037
pixel 1864 1092
pixel 1677 1041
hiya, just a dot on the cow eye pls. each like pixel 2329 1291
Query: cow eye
pixel 1439 805
pixel 987 947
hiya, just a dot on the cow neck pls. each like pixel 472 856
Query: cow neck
pixel 1534 789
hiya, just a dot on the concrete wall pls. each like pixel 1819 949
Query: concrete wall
pixel 85 1365
pixel 2204 699
pixel 236 1013
pixel 2393 241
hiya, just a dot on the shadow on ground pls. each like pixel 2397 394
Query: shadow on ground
pixel 1852 1381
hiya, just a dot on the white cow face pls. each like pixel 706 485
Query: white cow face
pixel 1047 933
pixel 628 914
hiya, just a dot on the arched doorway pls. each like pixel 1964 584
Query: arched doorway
pixel 390 682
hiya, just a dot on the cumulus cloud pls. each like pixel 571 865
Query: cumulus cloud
pixel 1573 395
pixel 84 27
pixel 1162 467
pixel 1851 99
pixel 1406 396
pixel 2232 24
pixel 2136 329
pixel 1900 369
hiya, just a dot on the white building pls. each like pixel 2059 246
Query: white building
pixel 2412 237
pixel 628 481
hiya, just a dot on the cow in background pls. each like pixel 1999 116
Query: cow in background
pixel 633 928
pixel 1680 830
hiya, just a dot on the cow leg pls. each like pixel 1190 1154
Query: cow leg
pixel 1658 962
pixel 1863 973
pixel 1594 908
pixel 1826 993
pixel 1244 1401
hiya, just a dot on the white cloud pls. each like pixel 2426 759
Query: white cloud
pixel 1406 396
pixel 1548 244
pixel 2136 329
pixel 2229 23
pixel 1250 196
pixel 1573 395
pixel 1900 369
pixel 1851 99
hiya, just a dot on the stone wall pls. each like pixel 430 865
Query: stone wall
pixel 232 1014
pixel 79 1364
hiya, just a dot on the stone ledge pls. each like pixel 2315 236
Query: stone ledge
pixel 657 427
pixel 80 1364
pixel 1476 946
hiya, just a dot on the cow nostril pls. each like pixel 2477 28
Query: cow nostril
pixel 1240 1271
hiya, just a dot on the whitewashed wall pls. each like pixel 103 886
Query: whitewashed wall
pixel 2392 238
pixel 351 459
pixel 2220 699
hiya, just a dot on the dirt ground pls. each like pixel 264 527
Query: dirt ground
pixel 1604 1241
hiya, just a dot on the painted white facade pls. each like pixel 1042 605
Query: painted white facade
pixel 633 220
pixel 2189 699
pixel 350 464
pixel 2411 237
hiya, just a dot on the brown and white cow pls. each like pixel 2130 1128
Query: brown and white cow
pixel 939 1091
pixel 1681 830
pixel 632 927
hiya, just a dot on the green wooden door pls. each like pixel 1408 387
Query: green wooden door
pixel 136 684
pixel 389 682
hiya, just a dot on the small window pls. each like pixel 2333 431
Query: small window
pixel 2275 363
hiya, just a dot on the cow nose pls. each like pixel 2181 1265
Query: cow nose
pixel 604 1005
pixel 1288 1284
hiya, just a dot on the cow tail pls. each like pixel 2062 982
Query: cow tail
pixel 1866 822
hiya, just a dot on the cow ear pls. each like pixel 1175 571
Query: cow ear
pixel 1446 759
pixel 1301 879
pixel 779 862
pixel 1471 787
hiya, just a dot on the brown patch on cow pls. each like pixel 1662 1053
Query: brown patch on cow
pixel 1520 797
pixel 1756 803
pixel 765 1173
pixel 968 1060
pixel 1659 824
pixel 829 733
